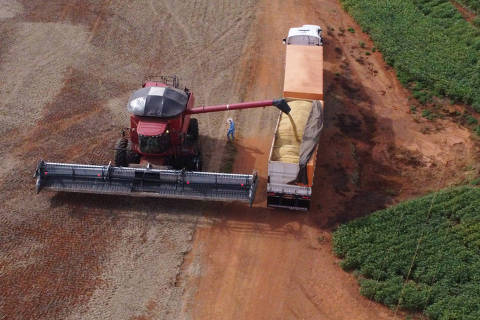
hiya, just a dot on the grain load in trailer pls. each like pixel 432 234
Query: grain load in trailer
pixel 289 134
pixel 293 154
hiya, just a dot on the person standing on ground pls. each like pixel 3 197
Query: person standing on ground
pixel 231 129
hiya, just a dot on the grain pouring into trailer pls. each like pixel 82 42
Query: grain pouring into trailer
pixel 294 148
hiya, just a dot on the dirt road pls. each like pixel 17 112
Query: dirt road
pixel 67 68
pixel 263 264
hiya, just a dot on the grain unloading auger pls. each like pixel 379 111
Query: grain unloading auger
pixel 159 154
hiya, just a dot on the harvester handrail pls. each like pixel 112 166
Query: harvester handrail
pixel 172 80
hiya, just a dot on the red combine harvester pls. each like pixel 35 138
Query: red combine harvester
pixel 159 154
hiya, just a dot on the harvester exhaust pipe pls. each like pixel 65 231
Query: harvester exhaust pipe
pixel 279 103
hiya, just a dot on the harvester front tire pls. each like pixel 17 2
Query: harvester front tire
pixel 197 163
pixel 121 157
pixel 132 156
pixel 193 129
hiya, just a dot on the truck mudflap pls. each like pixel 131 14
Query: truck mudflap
pixel 149 182
pixel 288 201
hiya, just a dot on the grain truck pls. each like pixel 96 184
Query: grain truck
pixel 293 153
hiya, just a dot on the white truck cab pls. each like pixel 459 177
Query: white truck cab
pixel 306 35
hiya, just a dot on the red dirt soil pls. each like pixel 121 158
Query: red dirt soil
pixel 272 264
pixel 466 13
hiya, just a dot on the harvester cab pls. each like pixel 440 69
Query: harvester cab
pixel 159 155
pixel 161 132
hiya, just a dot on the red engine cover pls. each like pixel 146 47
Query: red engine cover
pixel 151 127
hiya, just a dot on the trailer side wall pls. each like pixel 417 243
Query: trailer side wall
pixel 303 80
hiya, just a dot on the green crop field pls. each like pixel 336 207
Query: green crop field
pixel 474 5
pixel 422 255
pixel 433 49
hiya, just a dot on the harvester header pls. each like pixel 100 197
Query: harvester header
pixel 145 182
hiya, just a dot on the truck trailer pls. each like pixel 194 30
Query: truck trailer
pixel 293 154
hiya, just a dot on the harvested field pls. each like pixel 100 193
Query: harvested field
pixel 68 68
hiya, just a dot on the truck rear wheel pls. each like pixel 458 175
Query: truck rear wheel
pixel 121 159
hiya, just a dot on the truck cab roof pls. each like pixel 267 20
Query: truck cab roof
pixel 308 34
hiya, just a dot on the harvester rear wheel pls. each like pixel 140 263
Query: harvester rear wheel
pixel 193 129
pixel 121 159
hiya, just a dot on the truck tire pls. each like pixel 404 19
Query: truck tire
pixel 121 153
pixel 193 129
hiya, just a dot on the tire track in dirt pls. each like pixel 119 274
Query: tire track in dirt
pixel 98 20
pixel 183 26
